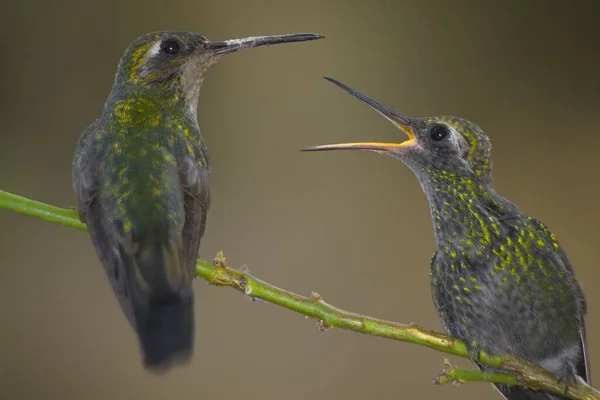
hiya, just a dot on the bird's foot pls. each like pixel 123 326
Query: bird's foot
pixel 567 376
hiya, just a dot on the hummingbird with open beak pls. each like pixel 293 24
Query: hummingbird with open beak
pixel 500 280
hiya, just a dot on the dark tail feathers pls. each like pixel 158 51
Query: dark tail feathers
pixel 162 299
pixel 166 331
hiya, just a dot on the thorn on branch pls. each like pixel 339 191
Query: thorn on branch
pixel 316 297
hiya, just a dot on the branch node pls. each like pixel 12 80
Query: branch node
pixel 317 297
pixel 220 260
pixel 447 365
pixel 244 269
pixel 440 379
pixel 446 375
pixel 223 276
pixel 242 285
pixel 322 326
pixel 248 290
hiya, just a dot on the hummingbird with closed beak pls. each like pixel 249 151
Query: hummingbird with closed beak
pixel 500 280
pixel 141 177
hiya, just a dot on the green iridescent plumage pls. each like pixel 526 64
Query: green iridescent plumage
pixel 500 280
pixel 141 176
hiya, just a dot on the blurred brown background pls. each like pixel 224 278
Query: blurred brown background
pixel 353 226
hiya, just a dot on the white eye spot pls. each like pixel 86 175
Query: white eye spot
pixel 456 138
pixel 458 141
pixel 153 51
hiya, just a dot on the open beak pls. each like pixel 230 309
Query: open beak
pixel 233 45
pixel 403 123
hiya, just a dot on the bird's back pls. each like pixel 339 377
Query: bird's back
pixel 144 223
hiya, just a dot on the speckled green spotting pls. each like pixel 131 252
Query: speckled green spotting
pixel 141 173
pixel 500 280
pixel 141 176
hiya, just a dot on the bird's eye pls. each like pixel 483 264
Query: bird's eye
pixel 438 132
pixel 170 47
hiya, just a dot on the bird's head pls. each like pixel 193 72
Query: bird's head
pixel 177 61
pixel 448 144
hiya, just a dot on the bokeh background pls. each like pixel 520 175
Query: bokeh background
pixel 352 226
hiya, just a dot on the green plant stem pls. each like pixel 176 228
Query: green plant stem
pixel 218 273
pixel 40 210
pixel 470 375
pixel 459 375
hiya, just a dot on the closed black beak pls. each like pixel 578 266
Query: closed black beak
pixel 233 45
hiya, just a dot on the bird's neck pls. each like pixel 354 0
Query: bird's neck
pixel 466 213
pixel 142 106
